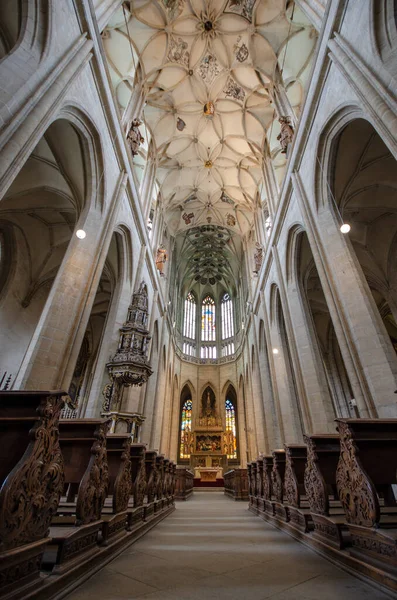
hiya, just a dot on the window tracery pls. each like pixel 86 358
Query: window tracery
pixel 189 323
pixel 227 317
pixel 208 331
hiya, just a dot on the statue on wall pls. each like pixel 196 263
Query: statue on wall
pixel 258 258
pixel 208 416
pixel 134 137
pixel 286 134
pixel 161 259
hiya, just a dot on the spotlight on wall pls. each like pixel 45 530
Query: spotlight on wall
pixel 81 234
pixel 345 228
pixel 275 350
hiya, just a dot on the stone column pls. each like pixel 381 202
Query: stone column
pixel 364 343
pixel 50 358
pixel 269 388
pixel 320 406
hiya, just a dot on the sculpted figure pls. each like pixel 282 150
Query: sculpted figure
pixel 161 259
pixel 134 137
pixel 258 258
pixel 286 134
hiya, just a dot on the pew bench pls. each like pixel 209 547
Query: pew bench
pixel 281 511
pixel 327 512
pixel 31 480
pixel 365 474
pixel 294 489
pixel 268 505
pixel 75 530
pixel 151 483
pixel 138 480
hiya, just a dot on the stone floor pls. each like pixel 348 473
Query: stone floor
pixel 212 548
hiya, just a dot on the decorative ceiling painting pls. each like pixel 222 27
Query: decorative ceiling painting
pixel 207 69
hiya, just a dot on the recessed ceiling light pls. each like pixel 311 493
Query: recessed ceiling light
pixel 345 228
pixel 275 350
pixel 81 234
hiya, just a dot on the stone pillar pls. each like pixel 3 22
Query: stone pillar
pixel 365 346
pixel 320 406
pixel 45 366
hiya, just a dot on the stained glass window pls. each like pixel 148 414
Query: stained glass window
pixel 231 429
pixel 208 319
pixel 227 317
pixel 189 324
pixel 186 429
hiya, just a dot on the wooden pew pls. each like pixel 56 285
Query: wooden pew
pixel 280 511
pixel 75 529
pixel 174 482
pixel 183 482
pixel 260 500
pixel 252 468
pixel 236 484
pixel 138 480
pixel 152 482
pixel 166 482
pixel 294 488
pixel 159 501
pixel 32 480
pixel 365 473
pixel 118 449
pixel 320 484
pixel 268 505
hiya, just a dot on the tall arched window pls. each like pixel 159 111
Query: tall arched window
pixel 189 323
pixel 231 434
pixel 186 428
pixel 208 319
pixel 227 317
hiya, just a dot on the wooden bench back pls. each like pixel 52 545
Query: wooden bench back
pixel 296 457
pixel 31 465
pixel 367 467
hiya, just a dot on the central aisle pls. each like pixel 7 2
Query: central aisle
pixel 212 548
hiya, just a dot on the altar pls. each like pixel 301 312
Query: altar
pixel 206 442
pixel 207 468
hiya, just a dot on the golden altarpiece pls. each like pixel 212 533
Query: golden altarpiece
pixel 208 436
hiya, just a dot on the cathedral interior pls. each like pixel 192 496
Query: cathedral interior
pixel 198 303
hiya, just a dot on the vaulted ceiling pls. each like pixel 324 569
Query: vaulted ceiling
pixel 208 69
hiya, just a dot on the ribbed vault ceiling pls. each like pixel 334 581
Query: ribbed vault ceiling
pixel 208 69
